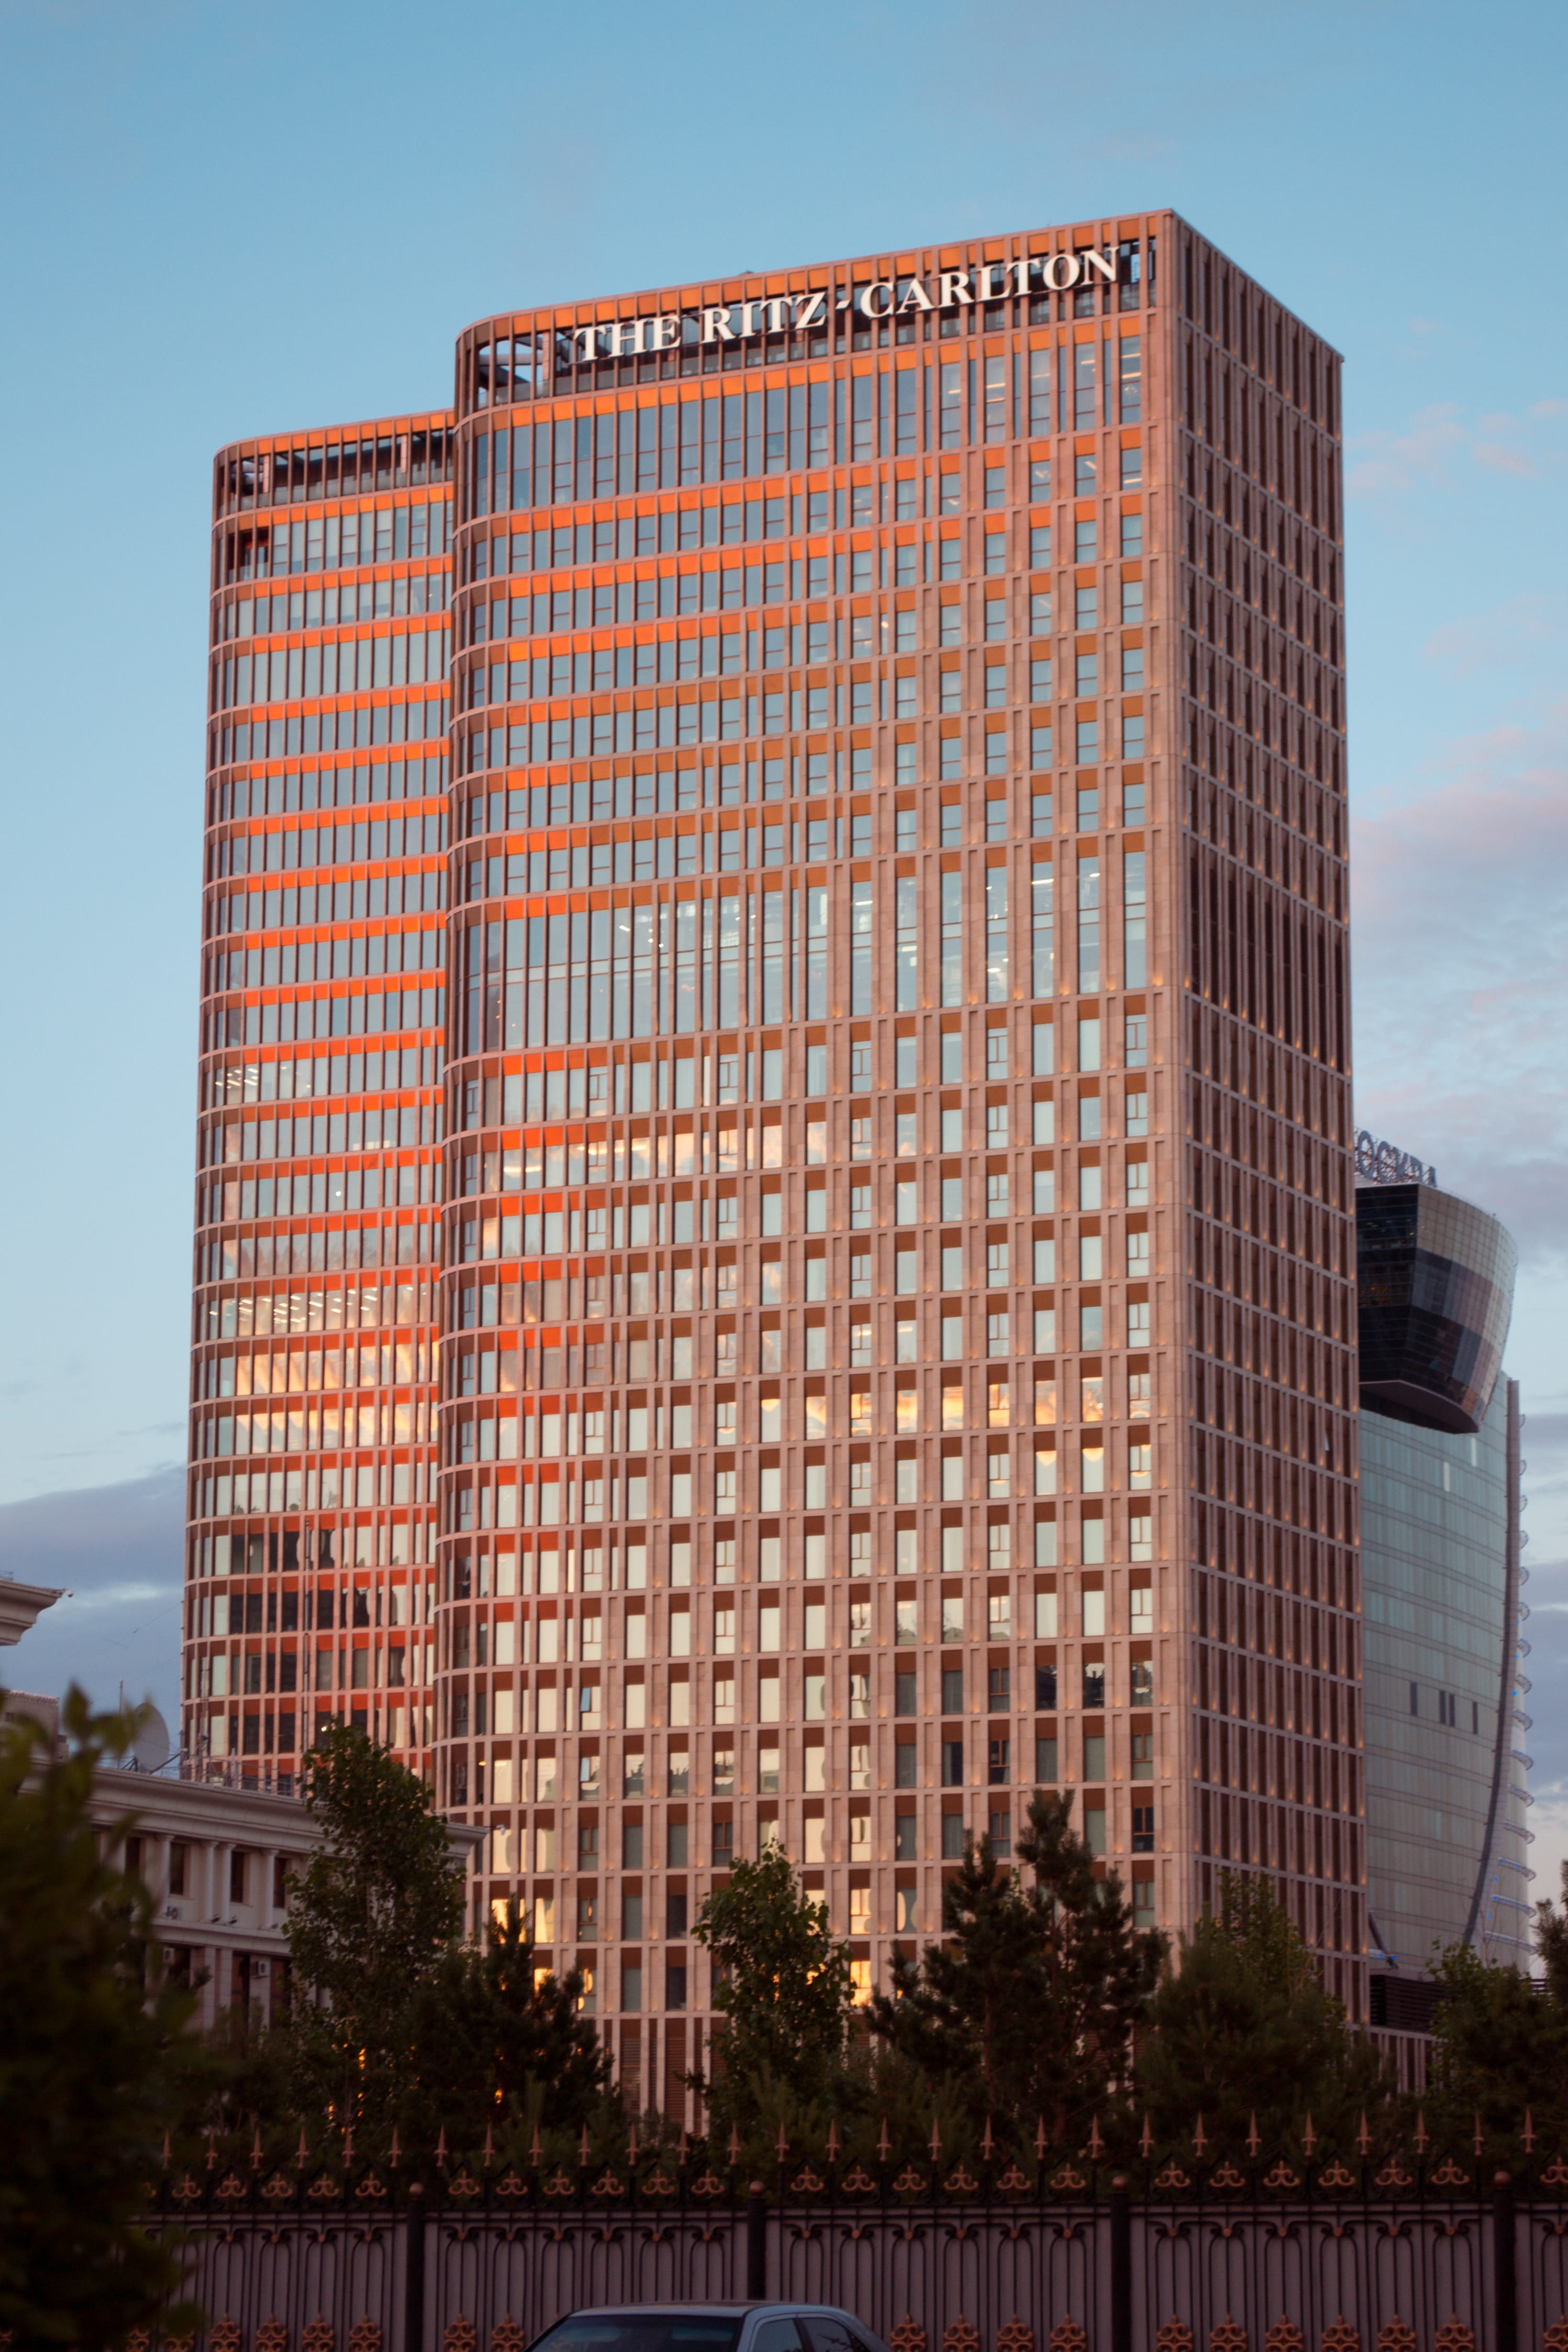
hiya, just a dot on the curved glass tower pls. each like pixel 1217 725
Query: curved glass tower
pixel 1441 1546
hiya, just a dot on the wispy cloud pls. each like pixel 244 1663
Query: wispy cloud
pixel 1461 974
pixel 1432 450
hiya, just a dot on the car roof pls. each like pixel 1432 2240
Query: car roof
pixel 696 2310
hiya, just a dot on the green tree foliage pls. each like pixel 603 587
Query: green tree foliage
pixel 493 2049
pixel 1240 2026
pixel 1500 2041
pixel 781 1991
pixel 96 2057
pixel 370 1918
pixel 1029 2002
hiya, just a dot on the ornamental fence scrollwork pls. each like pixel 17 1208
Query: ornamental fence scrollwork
pixel 1406 2251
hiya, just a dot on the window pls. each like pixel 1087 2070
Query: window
pixel 1143 1829
pixel 998 1763
pixel 1132 534
pixel 1144 1756
pixel 952 1690
pixel 952 1763
pixel 952 1837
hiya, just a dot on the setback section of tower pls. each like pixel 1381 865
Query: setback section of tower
pixel 310 1573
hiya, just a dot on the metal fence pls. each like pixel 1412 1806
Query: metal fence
pixel 1449 2257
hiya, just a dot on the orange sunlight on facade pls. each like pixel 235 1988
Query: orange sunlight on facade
pixel 890 1344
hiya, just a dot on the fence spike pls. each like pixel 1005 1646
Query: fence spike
pixel 302 2154
pixel 783 2142
pixel 348 2146
pixel 1146 2141
pixel 735 2143
pixel 440 2150
pixel 988 2146
pixel 1479 2142
pixel 1309 2137
pixel 1253 2142
pixel 1199 2141
pixel 256 2150
pixel 1527 2134
pixel 631 2149
pixel 833 2142
pixel 1420 2131
pixel 1363 2137
pixel 395 2153
pixel 884 2144
pixel 488 2156
pixel 168 2151
pixel 936 2140
pixel 212 2147
pixel 536 2153
pixel 1096 2145
pixel 582 2148
pixel 1040 2142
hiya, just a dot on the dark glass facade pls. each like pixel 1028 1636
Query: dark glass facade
pixel 1436 1290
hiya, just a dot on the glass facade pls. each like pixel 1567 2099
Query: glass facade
pixel 310 1593
pixel 1440 1544
pixel 885 1172
pixel 1436 1291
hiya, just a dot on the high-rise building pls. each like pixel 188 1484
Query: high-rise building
pixel 311 1557
pixel 896 1309
pixel 1439 1452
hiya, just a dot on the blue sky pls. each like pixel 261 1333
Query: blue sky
pixel 222 220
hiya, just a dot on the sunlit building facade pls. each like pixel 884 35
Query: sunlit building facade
pixel 310 1570
pixel 893 1325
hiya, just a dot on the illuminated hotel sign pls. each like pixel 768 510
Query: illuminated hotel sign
pixel 884 297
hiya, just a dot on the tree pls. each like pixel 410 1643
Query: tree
pixel 1030 2001
pixel 1241 2026
pixel 781 1993
pixel 493 2047
pixel 379 1904
pixel 1501 2038
pixel 96 2057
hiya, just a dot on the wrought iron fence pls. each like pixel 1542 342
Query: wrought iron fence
pixel 1389 2256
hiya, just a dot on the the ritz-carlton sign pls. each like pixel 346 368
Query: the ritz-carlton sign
pixel 884 297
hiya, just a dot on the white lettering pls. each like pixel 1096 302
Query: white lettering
pixel 1023 268
pixel 665 333
pixel 748 318
pixel 813 312
pixel 775 306
pixel 715 326
pixel 874 309
pixel 985 286
pixel 1058 271
pixel 624 338
pixel 916 298
pixel 587 341
pixel 953 286
pixel 1106 263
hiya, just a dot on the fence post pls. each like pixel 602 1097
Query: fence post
pixel 756 2246
pixel 1505 2272
pixel 414 2272
pixel 1122 2265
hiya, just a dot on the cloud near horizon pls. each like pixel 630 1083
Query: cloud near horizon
pixel 118 1552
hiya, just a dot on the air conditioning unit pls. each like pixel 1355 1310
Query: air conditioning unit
pixel 258 1967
